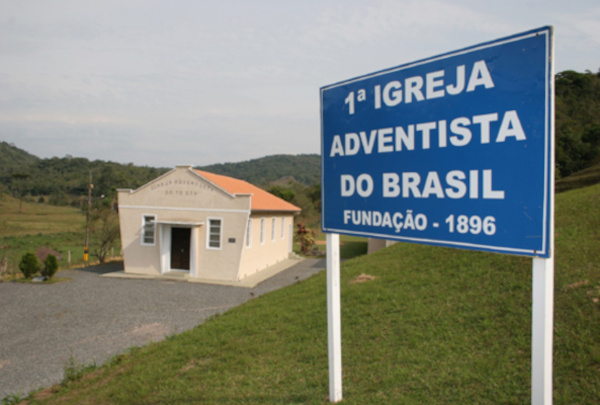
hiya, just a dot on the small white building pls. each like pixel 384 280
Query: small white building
pixel 209 227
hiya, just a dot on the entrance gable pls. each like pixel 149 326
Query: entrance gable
pixel 183 188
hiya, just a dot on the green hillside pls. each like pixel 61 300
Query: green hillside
pixel 304 169
pixel 432 326
pixel 13 159
pixel 582 178
pixel 64 181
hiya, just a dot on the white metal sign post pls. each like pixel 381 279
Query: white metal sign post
pixel 334 317
pixel 456 150
pixel 542 320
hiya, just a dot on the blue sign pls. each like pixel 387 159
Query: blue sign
pixel 455 150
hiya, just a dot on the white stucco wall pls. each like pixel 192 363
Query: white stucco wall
pixel 259 255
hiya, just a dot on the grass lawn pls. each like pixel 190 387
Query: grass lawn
pixel 431 326
pixel 36 225
pixel 37 218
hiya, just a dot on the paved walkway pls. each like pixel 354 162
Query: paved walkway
pixel 92 318
pixel 248 282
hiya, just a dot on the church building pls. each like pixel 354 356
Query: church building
pixel 211 228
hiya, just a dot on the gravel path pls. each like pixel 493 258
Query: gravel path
pixel 92 318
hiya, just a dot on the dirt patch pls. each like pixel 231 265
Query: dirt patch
pixel 43 394
pixel 150 332
pixel 191 364
pixel 576 285
pixel 363 278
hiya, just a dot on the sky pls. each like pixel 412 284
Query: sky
pixel 165 83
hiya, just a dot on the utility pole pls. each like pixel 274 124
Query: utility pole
pixel 87 222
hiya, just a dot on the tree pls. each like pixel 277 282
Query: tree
pixel 283 193
pixel 50 266
pixel 29 265
pixel 104 231
pixel 109 180
pixel 591 138
pixel 577 121
pixel 315 196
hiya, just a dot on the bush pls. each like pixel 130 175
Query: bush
pixel 306 237
pixel 50 266
pixel 29 265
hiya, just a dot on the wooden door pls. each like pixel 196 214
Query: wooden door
pixel 180 248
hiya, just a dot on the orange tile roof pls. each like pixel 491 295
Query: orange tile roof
pixel 261 200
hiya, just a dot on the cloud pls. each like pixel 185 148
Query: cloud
pixel 162 83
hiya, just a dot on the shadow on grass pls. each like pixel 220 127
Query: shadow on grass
pixel 350 249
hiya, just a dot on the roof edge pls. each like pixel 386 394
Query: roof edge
pixel 197 173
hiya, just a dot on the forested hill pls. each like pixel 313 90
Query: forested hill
pixel 304 169
pixel 64 180
pixel 13 158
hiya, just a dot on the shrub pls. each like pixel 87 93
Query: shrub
pixel 50 266
pixel 29 265
pixel 306 237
